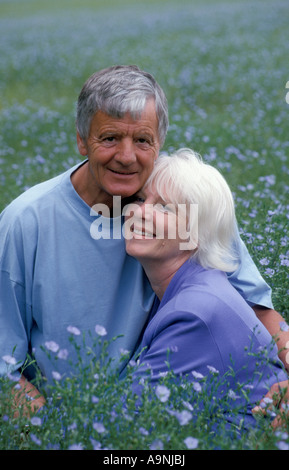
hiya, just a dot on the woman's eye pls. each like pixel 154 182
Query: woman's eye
pixel 139 200
pixel 166 208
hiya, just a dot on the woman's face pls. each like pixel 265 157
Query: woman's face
pixel 155 229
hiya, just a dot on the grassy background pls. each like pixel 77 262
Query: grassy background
pixel 223 66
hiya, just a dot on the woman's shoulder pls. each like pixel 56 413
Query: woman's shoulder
pixel 208 295
pixel 209 288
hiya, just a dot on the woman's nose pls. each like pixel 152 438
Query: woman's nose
pixel 146 210
pixel 140 212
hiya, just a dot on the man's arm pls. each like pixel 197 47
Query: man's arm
pixel 28 398
pixel 279 392
pixel 272 321
pixel 250 284
pixel 248 281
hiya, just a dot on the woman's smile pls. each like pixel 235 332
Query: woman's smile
pixel 142 233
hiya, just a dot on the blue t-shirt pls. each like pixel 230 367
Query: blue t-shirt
pixel 55 274
pixel 203 323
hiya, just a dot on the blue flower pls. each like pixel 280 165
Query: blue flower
pixel 62 354
pixel 56 375
pixel 233 395
pixel 99 427
pixel 72 427
pixel 191 442
pixel 35 439
pixel 213 370
pixel 100 330
pixel 163 393
pixel 73 330
pixel 51 346
pixel 143 431
pixel 281 434
pixel 197 386
pixel 96 444
pixel 188 405
pixel 269 272
pixel 36 421
pixel 282 445
pixel 283 326
pixel 183 417
pixel 197 375
pixel 266 402
pixel 9 360
pixel 75 447
pixel 157 444
pixel 264 261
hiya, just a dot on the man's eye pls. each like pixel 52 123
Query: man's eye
pixel 143 141
pixel 108 141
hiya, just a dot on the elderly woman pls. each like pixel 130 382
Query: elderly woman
pixel 182 231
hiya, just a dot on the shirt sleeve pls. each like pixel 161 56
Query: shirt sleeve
pixel 248 281
pixel 13 325
pixel 15 313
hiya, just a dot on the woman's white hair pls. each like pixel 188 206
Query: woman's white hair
pixel 184 178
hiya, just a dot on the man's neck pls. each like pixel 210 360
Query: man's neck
pixel 87 189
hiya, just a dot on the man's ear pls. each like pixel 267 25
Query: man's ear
pixel 82 148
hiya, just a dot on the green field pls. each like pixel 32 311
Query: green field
pixel 223 66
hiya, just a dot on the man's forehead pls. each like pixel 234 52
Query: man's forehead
pixel 103 121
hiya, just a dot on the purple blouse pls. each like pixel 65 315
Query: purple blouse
pixel 204 323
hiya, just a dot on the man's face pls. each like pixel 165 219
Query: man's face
pixel 121 153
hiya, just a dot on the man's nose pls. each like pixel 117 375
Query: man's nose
pixel 125 152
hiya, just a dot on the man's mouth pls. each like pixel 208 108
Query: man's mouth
pixel 123 173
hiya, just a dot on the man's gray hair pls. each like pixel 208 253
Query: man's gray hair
pixel 117 90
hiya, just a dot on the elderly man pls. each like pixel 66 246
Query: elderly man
pixel 57 274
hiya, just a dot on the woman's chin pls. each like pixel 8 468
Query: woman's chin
pixel 135 250
pixel 131 249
